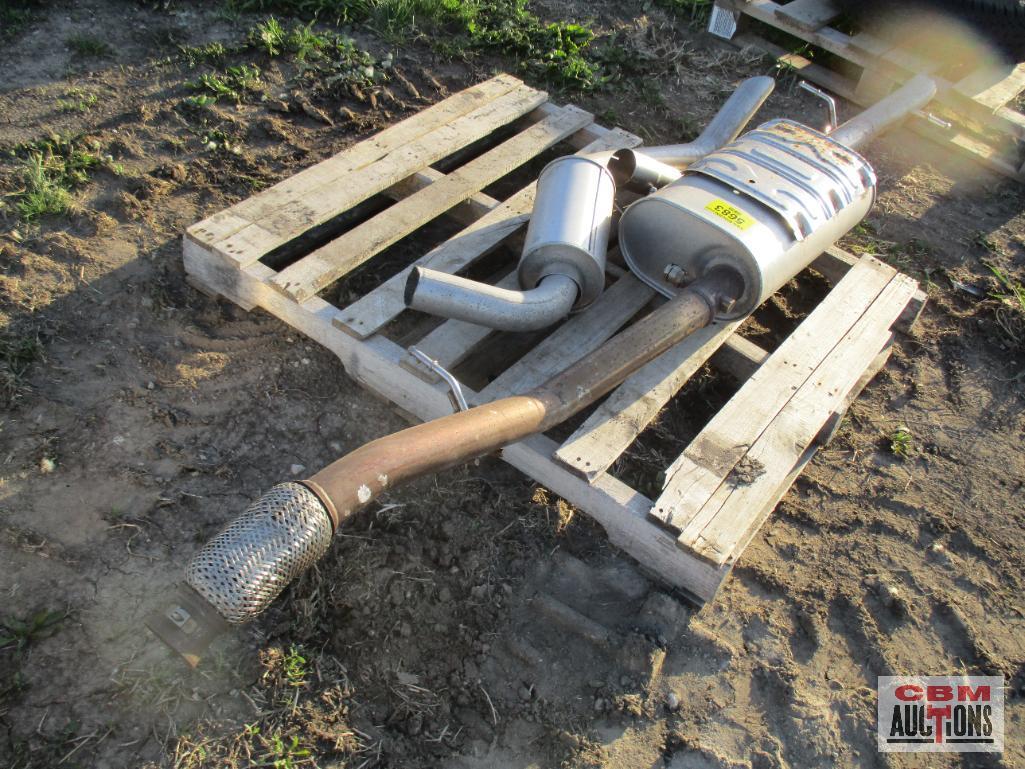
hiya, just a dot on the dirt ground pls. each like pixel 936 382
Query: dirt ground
pixel 142 415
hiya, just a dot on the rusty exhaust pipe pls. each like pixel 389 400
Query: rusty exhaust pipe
pixel 245 567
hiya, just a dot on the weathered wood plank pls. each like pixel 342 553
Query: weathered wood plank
pixel 323 266
pixel 832 425
pixel 371 312
pixel 297 216
pixel 727 516
pixel 574 339
pixel 617 422
pixel 994 86
pixel 225 223
pixel 808 15
pixel 706 462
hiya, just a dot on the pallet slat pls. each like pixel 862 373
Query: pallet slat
pixel 726 517
pixel 329 262
pixel 297 216
pixel 371 312
pixel 712 455
pixel 617 422
pixel 994 86
pixel 226 223
pixel 870 89
pixel 808 15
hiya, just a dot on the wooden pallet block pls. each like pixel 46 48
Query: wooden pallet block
pixel 228 254
pixel 980 98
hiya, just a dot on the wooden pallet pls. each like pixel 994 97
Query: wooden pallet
pixel 693 533
pixel 976 105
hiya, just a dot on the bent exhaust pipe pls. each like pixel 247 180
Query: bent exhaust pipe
pixel 725 126
pixel 447 295
pixel 245 567
pixel 569 227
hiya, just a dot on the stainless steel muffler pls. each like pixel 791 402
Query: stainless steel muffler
pixel 568 234
pixel 561 269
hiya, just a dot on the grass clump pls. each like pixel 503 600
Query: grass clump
pixel 53 167
pixel 557 52
pixel 282 754
pixel 89 46
pixel 77 101
pixel 269 35
pixel 14 15
pixel 1010 309
pixel 19 633
pixel 44 191
pixel 295 669
pixel 211 53
pixel 901 442
pixel 234 83
pixel 301 40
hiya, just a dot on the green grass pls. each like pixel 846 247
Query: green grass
pixel 235 83
pixel 89 46
pixel 558 52
pixel 295 668
pixel 1013 293
pixel 52 168
pixel 14 15
pixel 300 40
pixel 44 191
pixel 282 752
pixel 77 101
pixel 19 633
pixel 211 53
pixel 901 442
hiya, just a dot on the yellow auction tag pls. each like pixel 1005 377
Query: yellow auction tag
pixel 733 215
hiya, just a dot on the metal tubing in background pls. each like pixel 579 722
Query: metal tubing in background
pixel 724 128
pixel 449 296
pixel 910 97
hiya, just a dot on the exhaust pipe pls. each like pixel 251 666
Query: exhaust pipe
pixel 449 296
pixel 245 567
pixel 910 97
pixel 568 233
pixel 724 128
